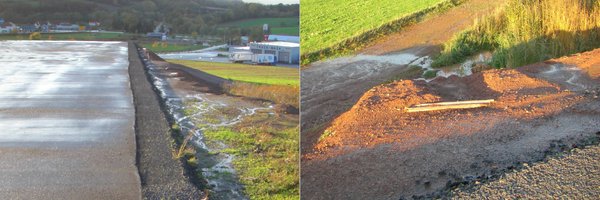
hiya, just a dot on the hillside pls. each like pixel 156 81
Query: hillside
pixel 140 16
pixel 278 26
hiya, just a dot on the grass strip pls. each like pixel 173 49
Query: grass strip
pixel 270 75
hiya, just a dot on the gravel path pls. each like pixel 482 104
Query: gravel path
pixel 573 176
pixel 162 176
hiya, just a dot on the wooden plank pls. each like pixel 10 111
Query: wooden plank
pixel 450 105
pixel 447 107
pixel 487 101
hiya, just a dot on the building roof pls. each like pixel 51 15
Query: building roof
pixel 278 43
pixel 285 38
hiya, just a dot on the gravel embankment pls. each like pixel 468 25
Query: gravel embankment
pixel 574 176
pixel 162 176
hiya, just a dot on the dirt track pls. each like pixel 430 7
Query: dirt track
pixel 378 151
pixel 330 88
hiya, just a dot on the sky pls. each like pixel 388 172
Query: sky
pixel 273 1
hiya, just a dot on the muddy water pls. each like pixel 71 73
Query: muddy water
pixel 195 111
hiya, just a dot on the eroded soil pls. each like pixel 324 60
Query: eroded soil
pixel 331 87
pixel 378 151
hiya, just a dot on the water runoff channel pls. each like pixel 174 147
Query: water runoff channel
pixel 194 111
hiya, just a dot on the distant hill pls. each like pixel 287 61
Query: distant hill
pixel 279 26
pixel 140 16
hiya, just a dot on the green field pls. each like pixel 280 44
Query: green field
pixel 72 36
pixel 247 73
pixel 281 26
pixel 286 31
pixel 163 48
pixel 326 23
pixel 273 22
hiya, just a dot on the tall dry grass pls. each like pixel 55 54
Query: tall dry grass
pixel 528 31
pixel 281 94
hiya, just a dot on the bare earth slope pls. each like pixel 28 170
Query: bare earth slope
pixel 378 151
pixel 332 87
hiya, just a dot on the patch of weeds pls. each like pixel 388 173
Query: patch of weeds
pixel 430 74
pixel 192 161
pixel 526 32
pixel 266 157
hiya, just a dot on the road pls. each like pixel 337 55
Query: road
pixel 67 115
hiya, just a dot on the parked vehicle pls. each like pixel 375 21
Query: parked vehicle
pixel 263 59
pixel 240 57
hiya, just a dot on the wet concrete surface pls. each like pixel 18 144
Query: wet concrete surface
pixel 67 121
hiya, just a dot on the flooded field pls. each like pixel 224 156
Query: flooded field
pixel 67 118
pixel 196 108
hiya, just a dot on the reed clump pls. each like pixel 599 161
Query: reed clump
pixel 528 31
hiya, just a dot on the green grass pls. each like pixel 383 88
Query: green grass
pixel 163 48
pixel 337 25
pixel 71 36
pixel 279 26
pixel 525 32
pixel 267 159
pixel 258 22
pixel 430 74
pixel 247 73
pixel 295 31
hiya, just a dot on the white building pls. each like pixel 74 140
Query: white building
pixel 8 27
pixel 284 52
pixel 67 27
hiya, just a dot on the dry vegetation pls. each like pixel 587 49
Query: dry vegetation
pixel 280 94
pixel 528 31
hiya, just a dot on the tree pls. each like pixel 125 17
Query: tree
pixel 130 21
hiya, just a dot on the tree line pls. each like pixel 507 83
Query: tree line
pixel 141 16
